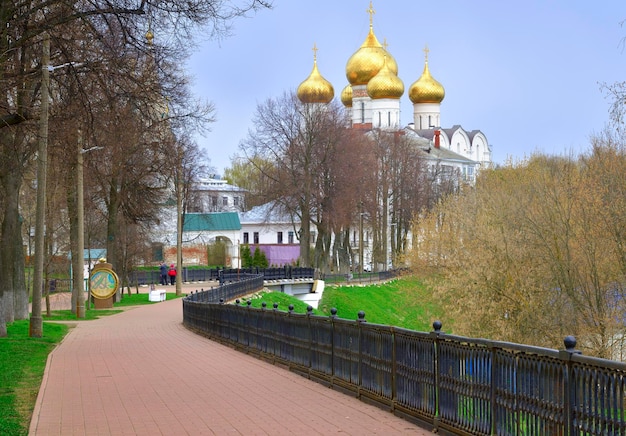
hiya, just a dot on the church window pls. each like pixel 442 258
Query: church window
pixel 379 119
pixel 214 200
pixel 389 119
pixel 279 237
pixel 290 237
pixel 362 112
pixel 256 237
pixel 246 238
pixel 224 201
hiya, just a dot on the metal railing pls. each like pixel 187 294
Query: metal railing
pixel 194 275
pixel 453 384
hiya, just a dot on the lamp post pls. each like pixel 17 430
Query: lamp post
pixel 79 272
pixel 78 258
pixel 36 321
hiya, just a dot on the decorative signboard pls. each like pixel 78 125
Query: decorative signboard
pixel 103 284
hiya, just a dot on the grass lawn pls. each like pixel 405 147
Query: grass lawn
pixel 22 363
pixel 404 302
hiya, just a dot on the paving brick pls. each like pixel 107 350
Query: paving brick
pixel 141 372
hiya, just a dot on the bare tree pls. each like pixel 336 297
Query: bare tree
pixel 535 251
pixel 103 46
pixel 291 146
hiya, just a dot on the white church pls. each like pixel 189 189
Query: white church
pixel 372 99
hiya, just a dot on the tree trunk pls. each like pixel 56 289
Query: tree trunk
pixel 11 252
pixel 305 237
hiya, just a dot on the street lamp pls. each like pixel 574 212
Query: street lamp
pixel 78 258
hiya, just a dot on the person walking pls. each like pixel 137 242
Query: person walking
pixel 172 274
pixel 163 272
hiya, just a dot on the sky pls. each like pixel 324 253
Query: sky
pixel 528 74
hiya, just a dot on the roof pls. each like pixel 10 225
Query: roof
pixel 266 213
pixel 216 185
pixel 441 153
pixel 211 222
pixel 93 253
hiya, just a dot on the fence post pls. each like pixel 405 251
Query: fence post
pixel 435 334
pixel 309 312
pixel 569 384
pixel 333 316
pixel 360 321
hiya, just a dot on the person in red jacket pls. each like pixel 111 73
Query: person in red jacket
pixel 172 274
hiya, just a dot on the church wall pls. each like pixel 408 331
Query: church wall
pixel 460 143
pixel 385 113
pixel 422 112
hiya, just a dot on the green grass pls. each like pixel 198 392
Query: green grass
pixel 404 302
pixel 22 363
pixel 67 315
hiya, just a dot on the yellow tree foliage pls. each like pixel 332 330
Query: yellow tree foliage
pixel 535 251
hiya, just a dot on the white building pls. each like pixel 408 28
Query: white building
pixel 216 195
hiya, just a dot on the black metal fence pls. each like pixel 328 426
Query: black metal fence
pixel 199 275
pixel 456 385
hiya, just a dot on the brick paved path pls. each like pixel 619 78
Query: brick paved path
pixel 142 373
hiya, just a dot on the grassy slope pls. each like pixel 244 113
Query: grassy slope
pixel 404 303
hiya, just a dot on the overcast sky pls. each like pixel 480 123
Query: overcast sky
pixel 528 74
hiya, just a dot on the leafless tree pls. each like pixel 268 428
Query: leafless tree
pixel 103 49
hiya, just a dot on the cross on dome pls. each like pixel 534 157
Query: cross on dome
pixel 371 12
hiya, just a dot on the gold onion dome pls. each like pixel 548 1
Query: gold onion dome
pixel 385 84
pixel 315 89
pixel 149 36
pixel 367 61
pixel 346 96
pixel 426 89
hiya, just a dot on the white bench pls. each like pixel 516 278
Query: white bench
pixel 157 295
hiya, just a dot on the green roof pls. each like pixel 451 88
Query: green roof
pixel 211 222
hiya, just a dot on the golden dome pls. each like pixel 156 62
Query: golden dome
pixel 385 84
pixel 346 96
pixel 149 36
pixel 426 89
pixel 315 89
pixel 367 61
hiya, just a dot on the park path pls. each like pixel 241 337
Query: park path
pixel 141 372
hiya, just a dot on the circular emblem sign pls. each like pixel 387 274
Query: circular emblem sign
pixel 103 283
